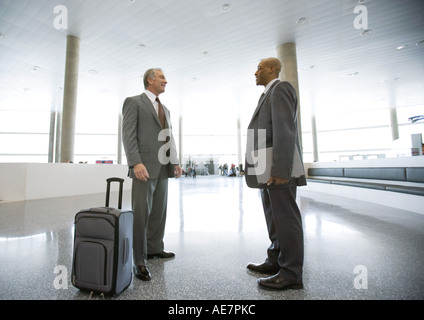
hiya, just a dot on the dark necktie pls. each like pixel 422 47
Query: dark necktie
pixel 161 113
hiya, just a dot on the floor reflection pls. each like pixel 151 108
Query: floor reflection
pixel 216 226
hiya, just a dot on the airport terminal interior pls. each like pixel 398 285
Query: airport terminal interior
pixel 357 66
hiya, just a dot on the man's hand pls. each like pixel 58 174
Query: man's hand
pixel 178 171
pixel 277 181
pixel 140 172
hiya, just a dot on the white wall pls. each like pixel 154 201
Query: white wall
pixel 29 181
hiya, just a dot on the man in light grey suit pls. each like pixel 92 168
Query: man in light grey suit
pixel 273 140
pixel 152 158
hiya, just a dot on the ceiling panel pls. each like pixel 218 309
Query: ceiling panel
pixel 202 48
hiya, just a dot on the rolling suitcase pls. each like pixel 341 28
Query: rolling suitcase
pixel 102 253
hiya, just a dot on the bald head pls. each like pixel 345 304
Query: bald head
pixel 274 64
pixel 268 70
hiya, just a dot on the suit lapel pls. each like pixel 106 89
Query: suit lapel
pixel 263 98
pixel 145 99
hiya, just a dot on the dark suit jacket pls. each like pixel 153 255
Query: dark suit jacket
pixel 141 130
pixel 276 115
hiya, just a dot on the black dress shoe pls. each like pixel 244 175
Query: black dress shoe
pixel 162 255
pixel 277 282
pixel 142 273
pixel 263 268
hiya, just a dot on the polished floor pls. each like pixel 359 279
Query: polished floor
pixel 353 250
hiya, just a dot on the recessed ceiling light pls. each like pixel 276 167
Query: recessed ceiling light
pixel 2 35
pixel 226 7
pixel 366 32
pixel 306 68
pixel 402 47
pixel 421 43
pixel 301 20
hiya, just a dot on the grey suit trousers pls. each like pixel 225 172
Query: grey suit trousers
pixel 149 204
pixel 284 223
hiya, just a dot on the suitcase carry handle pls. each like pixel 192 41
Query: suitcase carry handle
pixel 121 183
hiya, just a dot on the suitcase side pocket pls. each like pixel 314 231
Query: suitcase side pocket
pixel 90 263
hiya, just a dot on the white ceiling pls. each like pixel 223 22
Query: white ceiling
pixel 201 48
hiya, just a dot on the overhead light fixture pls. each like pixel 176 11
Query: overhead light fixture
pixel 353 74
pixel 226 7
pixel 366 32
pixel 35 69
pixel 142 45
pixel 402 47
pixel 92 71
pixel 2 35
pixel 306 68
pixel 301 20
pixel 420 43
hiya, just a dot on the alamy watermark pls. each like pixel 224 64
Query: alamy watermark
pixel 361 20
pixel 61 280
pixel 61 20
pixel 361 280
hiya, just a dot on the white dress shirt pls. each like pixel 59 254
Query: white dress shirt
pixel 152 98
pixel 269 85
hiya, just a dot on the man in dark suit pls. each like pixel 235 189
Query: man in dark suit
pixel 152 158
pixel 274 165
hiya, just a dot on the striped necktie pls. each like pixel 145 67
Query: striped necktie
pixel 161 113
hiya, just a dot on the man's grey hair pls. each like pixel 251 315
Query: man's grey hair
pixel 150 74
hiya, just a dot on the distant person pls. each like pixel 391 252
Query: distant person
pixel 144 118
pixel 276 115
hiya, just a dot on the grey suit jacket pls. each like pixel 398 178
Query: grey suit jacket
pixel 143 138
pixel 276 115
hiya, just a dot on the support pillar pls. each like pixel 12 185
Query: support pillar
pixel 394 125
pixel 180 144
pixel 286 53
pixel 70 92
pixel 52 136
pixel 315 139
pixel 119 156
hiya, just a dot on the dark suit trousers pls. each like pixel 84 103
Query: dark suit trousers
pixel 149 204
pixel 285 231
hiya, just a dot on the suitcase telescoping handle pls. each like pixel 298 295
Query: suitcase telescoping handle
pixel 121 183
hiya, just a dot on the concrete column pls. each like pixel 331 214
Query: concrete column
pixel 180 147
pixel 70 92
pixel 394 125
pixel 58 135
pixel 52 136
pixel 315 139
pixel 288 57
pixel 239 154
pixel 119 156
